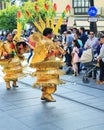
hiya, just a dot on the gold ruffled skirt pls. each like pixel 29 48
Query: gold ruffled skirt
pixel 47 73
pixel 12 68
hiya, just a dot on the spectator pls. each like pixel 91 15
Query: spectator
pixel 100 59
pixel 75 57
pixel 76 37
pixel 92 42
pixel 95 56
pixel 14 32
pixel 83 36
pixel 98 47
pixel 69 40
pixel 64 35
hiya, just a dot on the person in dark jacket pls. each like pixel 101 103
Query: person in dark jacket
pixel 83 36
pixel 100 59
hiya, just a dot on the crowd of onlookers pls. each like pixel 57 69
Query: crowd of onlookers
pixel 74 41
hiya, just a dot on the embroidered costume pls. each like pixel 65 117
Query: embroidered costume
pixel 47 65
pixel 10 60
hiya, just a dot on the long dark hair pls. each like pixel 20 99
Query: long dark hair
pixel 76 43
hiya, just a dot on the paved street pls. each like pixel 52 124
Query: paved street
pixel 79 106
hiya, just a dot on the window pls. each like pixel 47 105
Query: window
pixel 2 5
pixel 81 6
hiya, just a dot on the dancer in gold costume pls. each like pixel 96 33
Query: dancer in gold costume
pixel 10 60
pixel 45 60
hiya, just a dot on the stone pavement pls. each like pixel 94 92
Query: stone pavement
pixel 79 106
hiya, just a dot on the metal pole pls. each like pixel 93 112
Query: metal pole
pixel 93 26
pixel 92 2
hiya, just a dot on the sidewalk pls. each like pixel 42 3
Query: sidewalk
pixel 78 106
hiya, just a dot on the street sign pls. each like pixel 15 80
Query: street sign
pixel 92 11
pixel 92 19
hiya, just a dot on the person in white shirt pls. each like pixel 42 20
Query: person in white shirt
pixel 92 42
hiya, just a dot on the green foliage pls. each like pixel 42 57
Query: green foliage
pixel 8 18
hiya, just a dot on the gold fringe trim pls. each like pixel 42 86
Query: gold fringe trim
pixel 13 70
pixel 10 62
pixel 49 84
pixel 14 77
pixel 47 64
pixel 4 61
pixel 45 72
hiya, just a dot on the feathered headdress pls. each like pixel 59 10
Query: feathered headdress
pixel 48 20
pixel 42 22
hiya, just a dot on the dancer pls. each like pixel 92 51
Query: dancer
pixel 10 55
pixel 45 60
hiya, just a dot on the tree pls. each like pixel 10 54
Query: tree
pixel 8 18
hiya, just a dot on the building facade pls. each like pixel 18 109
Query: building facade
pixel 78 14
pixel 2 5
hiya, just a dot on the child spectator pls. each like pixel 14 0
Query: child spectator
pixel 75 57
